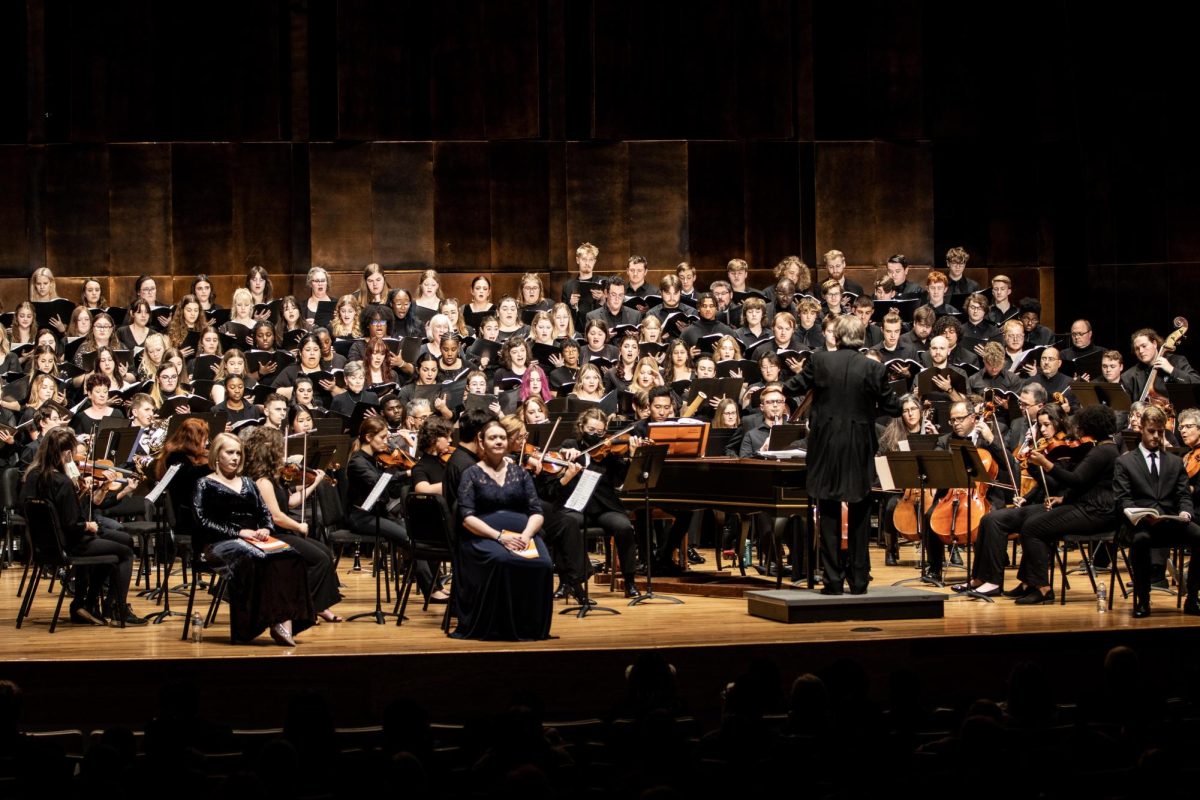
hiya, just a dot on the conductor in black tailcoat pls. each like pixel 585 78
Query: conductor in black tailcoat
pixel 849 392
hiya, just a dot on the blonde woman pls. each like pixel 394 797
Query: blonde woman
pixel 346 322
pixel 429 291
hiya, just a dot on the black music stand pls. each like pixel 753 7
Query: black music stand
pixel 923 470
pixel 644 469
pixel 377 507
pixel 976 476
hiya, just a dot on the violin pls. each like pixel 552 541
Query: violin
pixel 398 459
pixel 445 457
pixel 96 470
pixel 1191 462
pixel 292 473
pixel 552 461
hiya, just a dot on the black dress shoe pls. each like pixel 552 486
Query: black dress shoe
pixel 1018 591
pixel 1141 608
pixel 1191 605
pixel 126 618
pixel 631 589
pixel 934 575
pixel 1036 598
pixel 694 557
pixel 831 589
pixel 561 592
pixel 891 559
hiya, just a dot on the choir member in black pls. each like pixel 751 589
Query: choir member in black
pixel 708 325
pixel 672 304
pixel 1172 368
pixel 604 507
pixel 956 266
pixel 1001 310
pixel 614 312
pixel 987 571
pixel 1052 379
pixel 433 442
pixel 835 266
pixel 356 392
pixel 502 591
pixel 728 312
pixel 774 412
pixel 922 329
pixel 1151 477
pixel 864 308
pixel 754 326
pixel 266 592
pixel 583 300
pixel 470 423
pixel 621 374
pixel 1036 334
pixel 96 409
pixel 363 472
pixel 993 375
pixel 849 391
pixel 47 479
pixel 1081 341
pixel 309 364
pixel 977 325
pixel 782 298
pixel 562 528
pixel 936 286
pixel 636 284
pixel 404 322
pixel 265 465
pixel 897 270
pixel 533 296
pixel 952 329
pixel 426 374
pixel 893 348
pixel 235 405
pixel 965 427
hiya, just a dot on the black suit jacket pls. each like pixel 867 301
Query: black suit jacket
pixel 1133 488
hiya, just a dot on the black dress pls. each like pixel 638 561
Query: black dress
pixel 263 591
pixel 499 594
pixel 318 560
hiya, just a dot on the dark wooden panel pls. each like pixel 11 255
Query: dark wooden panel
pixel 658 202
pixel 202 181
pixel 139 208
pixel 76 212
pixel 579 72
pixel 611 113
pixel 1014 208
pixel 846 216
pixel 960 206
pixel 14 215
pixel 765 79
pixel 383 70
pixel 402 203
pixel 716 203
pixel 262 207
pixel 562 252
pixel 457 94
pixel 842 72
pixel 14 73
pixel 904 200
pixel 1127 208
pixel 512 71
pixel 897 66
pixel 1183 204
pixel 598 201
pixel 802 69
pixel 461 210
pixel 340 197
pixel 520 205
pixel 773 204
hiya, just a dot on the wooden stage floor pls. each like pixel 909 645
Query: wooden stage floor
pixel 715 632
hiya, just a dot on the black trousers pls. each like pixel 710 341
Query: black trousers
pixel 1040 535
pixel 992 540
pixel 618 526
pixel 1162 534
pixel 857 569
pixel 563 532
pixel 90 580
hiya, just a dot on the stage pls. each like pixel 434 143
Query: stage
pixel 110 675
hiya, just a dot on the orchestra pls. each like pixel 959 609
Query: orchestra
pixel 457 395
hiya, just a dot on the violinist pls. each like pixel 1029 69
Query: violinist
pixel 1172 368
pixel 604 507
pixel 1053 380
pixel 1187 425
pixel 47 478
pixel 1087 506
pixel 433 441
pixel 264 465
pixel 362 473
pixel 987 570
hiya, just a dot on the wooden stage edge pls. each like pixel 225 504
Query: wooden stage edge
pixel 361 666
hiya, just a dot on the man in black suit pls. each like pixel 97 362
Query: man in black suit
pixel 849 392
pixel 1150 477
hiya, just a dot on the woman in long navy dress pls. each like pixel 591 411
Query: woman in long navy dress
pixel 500 593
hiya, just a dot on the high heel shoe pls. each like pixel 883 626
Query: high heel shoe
pixel 282 634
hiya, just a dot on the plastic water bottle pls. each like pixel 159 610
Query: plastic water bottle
pixel 746 553
pixel 197 628
pixel 1102 598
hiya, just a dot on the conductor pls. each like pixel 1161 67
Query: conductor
pixel 849 392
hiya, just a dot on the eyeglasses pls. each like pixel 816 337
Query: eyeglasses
pixel 1186 425
pixel 960 419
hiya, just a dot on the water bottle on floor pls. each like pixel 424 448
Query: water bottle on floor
pixel 1102 598
pixel 197 628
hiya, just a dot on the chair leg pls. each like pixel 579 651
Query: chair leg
pixel 215 604
pixel 404 591
pixel 28 563
pixel 62 593
pixel 187 617
pixel 27 600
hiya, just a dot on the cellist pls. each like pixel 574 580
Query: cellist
pixel 1169 368
pixel 910 422
pixel 965 426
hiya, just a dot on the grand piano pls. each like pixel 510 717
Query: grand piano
pixel 735 485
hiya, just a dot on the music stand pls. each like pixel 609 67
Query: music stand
pixel 976 475
pixel 644 470
pixel 1093 393
pixel 925 470
pixel 372 505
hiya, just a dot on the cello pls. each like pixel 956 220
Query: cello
pixel 959 507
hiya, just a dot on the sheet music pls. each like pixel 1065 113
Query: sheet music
pixel 373 497
pixel 155 493
pixel 885 473
pixel 583 490
pixel 902 446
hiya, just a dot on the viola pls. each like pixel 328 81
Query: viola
pixel 292 473
pixel 398 459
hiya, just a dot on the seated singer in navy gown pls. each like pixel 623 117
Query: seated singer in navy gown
pixel 500 593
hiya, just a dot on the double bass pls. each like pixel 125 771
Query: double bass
pixel 1149 394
